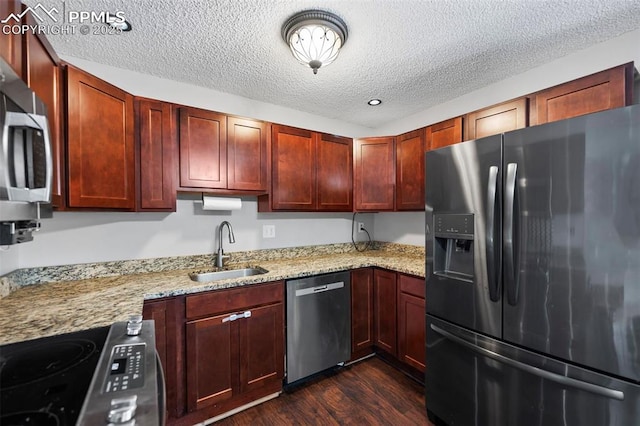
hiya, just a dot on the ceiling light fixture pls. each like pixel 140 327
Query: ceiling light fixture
pixel 374 102
pixel 315 37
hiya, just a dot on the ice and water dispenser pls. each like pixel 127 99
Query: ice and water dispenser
pixel 453 246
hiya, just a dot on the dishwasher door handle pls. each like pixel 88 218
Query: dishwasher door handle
pixel 319 289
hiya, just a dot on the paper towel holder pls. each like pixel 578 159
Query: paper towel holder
pixel 221 203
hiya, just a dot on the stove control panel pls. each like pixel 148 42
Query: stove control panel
pixel 128 385
pixel 126 368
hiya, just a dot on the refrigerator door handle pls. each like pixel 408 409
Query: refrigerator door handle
pixel 509 231
pixel 548 375
pixel 492 268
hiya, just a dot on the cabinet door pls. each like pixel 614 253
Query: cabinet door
pixel 384 293
pixel 612 88
pixel 374 174
pixel 262 347
pixel 411 321
pixel 334 173
pixel 361 312
pixel 166 314
pixel 43 75
pixel 203 149
pixel 497 119
pixel 213 361
pixel 410 149
pixel 101 152
pixel 444 133
pixel 293 169
pixel 11 44
pixel 247 151
pixel 158 152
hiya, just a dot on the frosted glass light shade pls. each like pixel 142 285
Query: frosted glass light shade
pixel 315 37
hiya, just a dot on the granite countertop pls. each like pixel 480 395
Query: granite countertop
pixel 53 308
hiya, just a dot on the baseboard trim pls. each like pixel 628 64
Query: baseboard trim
pixel 237 410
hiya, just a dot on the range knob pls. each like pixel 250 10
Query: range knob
pixel 134 325
pixel 122 411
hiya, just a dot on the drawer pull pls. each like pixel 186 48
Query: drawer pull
pixel 233 317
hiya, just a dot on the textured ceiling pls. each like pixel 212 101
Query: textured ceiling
pixel 412 54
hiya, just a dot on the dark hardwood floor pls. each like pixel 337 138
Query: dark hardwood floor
pixel 366 393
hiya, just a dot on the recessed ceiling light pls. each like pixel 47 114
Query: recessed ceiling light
pixel 117 22
pixel 374 102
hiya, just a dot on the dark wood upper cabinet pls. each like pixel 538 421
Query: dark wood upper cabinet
pixel 410 171
pixel 310 171
pixel 157 150
pixel 444 133
pixel 44 76
pixel 411 328
pixel 221 153
pixel 11 44
pixel 247 154
pixel 612 88
pixel 374 174
pixel 101 143
pixel 293 185
pixel 334 172
pixel 497 119
pixel 385 310
pixel 203 149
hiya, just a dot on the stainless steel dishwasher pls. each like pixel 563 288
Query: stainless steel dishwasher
pixel 318 324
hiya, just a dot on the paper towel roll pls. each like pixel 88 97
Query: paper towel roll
pixel 221 203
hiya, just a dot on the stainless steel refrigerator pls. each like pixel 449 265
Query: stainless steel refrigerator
pixel 533 275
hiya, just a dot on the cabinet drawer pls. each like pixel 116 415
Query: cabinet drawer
pixel 220 301
pixel 412 285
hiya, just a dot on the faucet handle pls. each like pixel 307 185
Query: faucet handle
pixel 220 258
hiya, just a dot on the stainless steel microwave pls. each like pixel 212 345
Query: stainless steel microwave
pixel 25 159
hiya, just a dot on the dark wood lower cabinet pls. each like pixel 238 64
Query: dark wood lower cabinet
pixel 215 362
pixel 361 313
pixel 385 308
pixel 411 321
pixel 212 361
pixel 226 359
pixel 168 315
pixel 398 317
pixel 234 349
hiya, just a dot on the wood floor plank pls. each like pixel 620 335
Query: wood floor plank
pixel 370 392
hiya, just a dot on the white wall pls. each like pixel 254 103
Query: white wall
pixel 79 237
pixel 399 227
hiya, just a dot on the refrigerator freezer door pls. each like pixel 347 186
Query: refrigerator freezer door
pixel 572 217
pixel 475 380
pixel 463 229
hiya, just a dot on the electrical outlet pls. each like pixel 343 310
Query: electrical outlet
pixel 268 231
pixel 360 227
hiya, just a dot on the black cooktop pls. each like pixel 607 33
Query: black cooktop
pixel 45 381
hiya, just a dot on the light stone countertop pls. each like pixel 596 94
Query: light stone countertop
pixel 41 310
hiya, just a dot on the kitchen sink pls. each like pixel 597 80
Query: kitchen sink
pixel 206 276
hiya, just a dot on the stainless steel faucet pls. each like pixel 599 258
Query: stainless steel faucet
pixel 221 256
